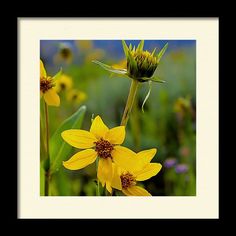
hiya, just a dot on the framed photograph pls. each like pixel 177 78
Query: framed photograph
pixel 118 118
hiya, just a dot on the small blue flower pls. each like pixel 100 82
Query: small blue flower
pixel 170 162
pixel 181 168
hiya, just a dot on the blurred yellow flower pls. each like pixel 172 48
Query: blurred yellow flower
pixel 121 65
pixel 64 54
pixel 84 45
pixel 47 84
pixel 96 54
pixel 76 96
pixel 182 105
pixel 64 83
pixel 132 167
pixel 100 142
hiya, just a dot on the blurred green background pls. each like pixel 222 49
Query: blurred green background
pixel 168 122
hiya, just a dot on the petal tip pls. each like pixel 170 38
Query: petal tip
pixel 154 150
pixel 64 164
pixel 97 117
pixel 63 133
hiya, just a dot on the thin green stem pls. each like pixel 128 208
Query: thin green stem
pixel 47 172
pixel 130 100
pixel 135 125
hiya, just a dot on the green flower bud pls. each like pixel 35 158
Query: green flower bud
pixel 141 65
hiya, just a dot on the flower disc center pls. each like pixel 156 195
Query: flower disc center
pixel 103 148
pixel 45 84
pixel 63 86
pixel 127 180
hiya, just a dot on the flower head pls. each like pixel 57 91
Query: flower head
pixel 64 54
pixel 47 87
pixel 182 105
pixel 131 168
pixel 64 83
pixel 84 45
pixel 122 64
pixel 185 151
pixel 181 168
pixel 100 142
pixel 76 96
pixel 170 162
pixel 96 54
pixel 140 64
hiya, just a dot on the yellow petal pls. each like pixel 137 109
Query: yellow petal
pixel 80 160
pixel 147 155
pixel 108 187
pixel 41 94
pixel 125 158
pixel 79 138
pixel 116 135
pixel 98 128
pixel 149 171
pixel 52 98
pixel 43 72
pixel 136 191
pixel 116 181
pixel 104 170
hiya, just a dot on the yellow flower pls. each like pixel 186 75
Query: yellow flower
pixel 76 96
pixel 47 84
pixel 96 54
pixel 140 65
pixel 84 45
pixel 132 168
pixel 182 105
pixel 121 65
pixel 100 142
pixel 64 83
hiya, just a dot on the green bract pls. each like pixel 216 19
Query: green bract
pixel 141 64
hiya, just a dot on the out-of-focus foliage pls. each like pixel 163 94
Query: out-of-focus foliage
pixel 168 123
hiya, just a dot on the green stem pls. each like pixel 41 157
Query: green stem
pixel 135 126
pixel 47 171
pixel 130 100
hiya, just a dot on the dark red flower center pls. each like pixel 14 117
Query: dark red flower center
pixel 46 84
pixel 127 180
pixel 103 148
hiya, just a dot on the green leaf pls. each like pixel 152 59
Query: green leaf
pixel 62 179
pixel 110 68
pixel 153 52
pixel 157 80
pixel 112 75
pixel 161 53
pixel 140 46
pixel 132 61
pixel 60 150
pixel 130 47
pixel 57 75
pixel 125 48
pixel 148 94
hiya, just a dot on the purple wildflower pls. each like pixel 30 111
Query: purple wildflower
pixel 181 168
pixel 170 162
